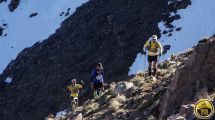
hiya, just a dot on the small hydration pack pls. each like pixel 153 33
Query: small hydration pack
pixel 149 47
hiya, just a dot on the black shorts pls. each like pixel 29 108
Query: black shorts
pixel 97 85
pixel 152 58
pixel 74 99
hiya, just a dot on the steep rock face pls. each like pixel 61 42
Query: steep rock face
pixel 33 15
pixel 13 5
pixel 101 30
pixel 3 1
pixel 1 31
pixel 3 26
pixel 196 74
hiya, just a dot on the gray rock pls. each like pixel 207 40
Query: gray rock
pixel 197 73
pixel 13 5
pixel 122 87
pixel 78 117
pixel 33 15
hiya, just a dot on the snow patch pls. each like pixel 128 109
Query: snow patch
pixel 162 28
pixel 61 113
pixel 197 22
pixel 8 80
pixel 139 64
pixel 172 14
pixel 23 31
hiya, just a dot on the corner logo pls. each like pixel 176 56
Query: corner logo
pixel 204 109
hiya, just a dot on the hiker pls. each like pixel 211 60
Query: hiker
pixel 74 89
pixel 155 50
pixel 97 81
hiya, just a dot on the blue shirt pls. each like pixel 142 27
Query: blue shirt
pixel 97 76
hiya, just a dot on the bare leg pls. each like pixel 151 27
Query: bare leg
pixel 154 67
pixel 76 101
pixel 149 68
pixel 95 93
pixel 72 102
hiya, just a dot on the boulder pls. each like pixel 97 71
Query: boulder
pixel 13 5
pixel 122 87
pixel 78 117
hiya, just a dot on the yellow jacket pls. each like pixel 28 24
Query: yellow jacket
pixel 74 89
pixel 153 48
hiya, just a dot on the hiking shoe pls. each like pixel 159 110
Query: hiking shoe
pixel 154 78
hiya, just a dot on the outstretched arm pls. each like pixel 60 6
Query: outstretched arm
pixel 160 47
pixel 145 46
pixel 92 77
pixel 68 88
pixel 79 86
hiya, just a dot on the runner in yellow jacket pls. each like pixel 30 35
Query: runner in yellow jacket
pixel 155 50
pixel 74 89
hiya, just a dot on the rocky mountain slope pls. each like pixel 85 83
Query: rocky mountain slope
pixel 13 4
pixel 195 76
pixel 181 82
pixel 101 30
pixel 136 98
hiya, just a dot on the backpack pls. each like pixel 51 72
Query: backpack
pixel 150 44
